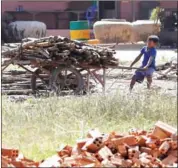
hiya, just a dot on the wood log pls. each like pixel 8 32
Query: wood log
pixel 11 80
pixel 14 72
pixel 17 92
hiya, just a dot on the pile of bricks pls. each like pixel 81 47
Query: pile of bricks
pixel 139 148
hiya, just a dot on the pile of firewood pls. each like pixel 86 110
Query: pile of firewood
pixel 139 148
pixel 16 82
pixel 62 50
pixel 168 69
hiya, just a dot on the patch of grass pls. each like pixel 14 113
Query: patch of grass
pixel 38 126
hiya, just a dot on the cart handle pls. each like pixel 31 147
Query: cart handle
pixel 129 68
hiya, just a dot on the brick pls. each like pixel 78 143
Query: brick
pixel 174 137
pixel 122 149
pixel 155 153
pixel 93 145
pixel 159 133
pixel 146 150
pixel 53 161
pixel 76 150
pixel 144 161
pixel 142 140
pixel 133 131
pixel 173 153
pixel 90 165
pixel 94 133
pixel 116 160
pixel 136 162
pixel 81 142
pixel 5 161
pixel 107 163
pixel 133 153
pixel 84 160
pixel 105 153
pixel 129 140
pixel 138 149
pixel 165 146
pixel 70 161
pixel 88 154
pixel 169 130
pixel 17 163
pixel 64 150
pixel 173 145
pixel 152 143
pixel 169 160
pixel 11 153
pixel 127 163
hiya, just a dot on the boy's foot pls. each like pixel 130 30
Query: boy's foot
pixel 130 89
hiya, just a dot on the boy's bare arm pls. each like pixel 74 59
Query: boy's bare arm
pixel 136 59
pixel 149 62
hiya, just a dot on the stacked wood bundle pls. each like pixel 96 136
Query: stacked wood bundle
pixel 139 148
pixel 61 50
pixel 16 82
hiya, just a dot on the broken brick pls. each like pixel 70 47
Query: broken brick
pixel 105 153
pixel 164 147
pixel 129 140
pixel 138 149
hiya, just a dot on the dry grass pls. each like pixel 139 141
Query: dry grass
pixel 38 126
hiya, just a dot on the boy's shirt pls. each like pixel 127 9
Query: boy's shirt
pixel 148 52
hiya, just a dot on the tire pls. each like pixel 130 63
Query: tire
pixel 55 77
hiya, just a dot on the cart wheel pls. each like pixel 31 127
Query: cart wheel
pixel 39 82
pixel 66 80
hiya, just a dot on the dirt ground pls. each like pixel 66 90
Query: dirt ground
pixel 118 80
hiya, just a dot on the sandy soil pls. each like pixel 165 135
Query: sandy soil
pixel 120 79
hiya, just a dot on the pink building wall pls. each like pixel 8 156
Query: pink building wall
pixel 126 8
pixel 169 4
pixel 34 5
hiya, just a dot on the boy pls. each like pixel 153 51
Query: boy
pixel 148 63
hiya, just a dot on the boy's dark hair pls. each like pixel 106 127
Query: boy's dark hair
pixel 153 38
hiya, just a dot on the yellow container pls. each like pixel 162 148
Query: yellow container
pixel 80 34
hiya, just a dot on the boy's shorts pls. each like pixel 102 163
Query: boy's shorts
pixel 140 75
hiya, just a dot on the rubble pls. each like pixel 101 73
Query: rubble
pixel 169 69
pixel 156 148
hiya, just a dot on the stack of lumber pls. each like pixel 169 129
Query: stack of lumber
pixel 16 82
pixel 61 50
pixel 138 148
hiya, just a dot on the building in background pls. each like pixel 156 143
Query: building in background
pixel 132 9
pixel 57 14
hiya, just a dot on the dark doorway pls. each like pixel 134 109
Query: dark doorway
pixel 145 9
pixel 108 9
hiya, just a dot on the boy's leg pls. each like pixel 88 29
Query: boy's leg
pixel 149 81
pixel 132 83
pixel 137 77
pixel 149 74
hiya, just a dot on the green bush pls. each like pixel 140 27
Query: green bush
pixel 155 13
